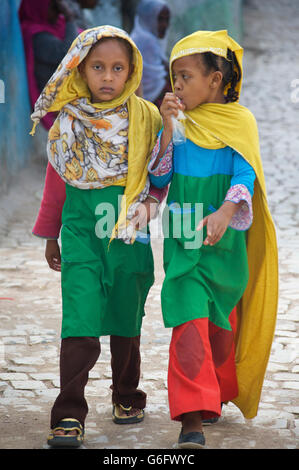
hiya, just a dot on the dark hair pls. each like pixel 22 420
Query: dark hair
pixel 229 68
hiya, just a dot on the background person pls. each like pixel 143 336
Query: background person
pixel 48 29
pixel 150 27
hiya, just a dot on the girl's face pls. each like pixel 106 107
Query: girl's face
pixel 193 86
pixel 106 70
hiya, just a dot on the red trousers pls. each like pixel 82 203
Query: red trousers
pixel 201 372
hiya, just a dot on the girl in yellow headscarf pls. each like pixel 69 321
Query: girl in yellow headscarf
pixel 220 255
pixel 98 150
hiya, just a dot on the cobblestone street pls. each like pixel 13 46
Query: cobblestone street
pixel 30 302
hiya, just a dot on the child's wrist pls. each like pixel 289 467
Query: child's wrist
pixel 229 209
pixel 167 125
pixel 167 133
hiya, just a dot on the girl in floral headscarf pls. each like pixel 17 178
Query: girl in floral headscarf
pixel 98 150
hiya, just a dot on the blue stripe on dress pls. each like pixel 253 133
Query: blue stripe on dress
pixel 192 160
pixel 143 237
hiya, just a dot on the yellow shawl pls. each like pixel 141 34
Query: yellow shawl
pixel 213 125
pixel 66 85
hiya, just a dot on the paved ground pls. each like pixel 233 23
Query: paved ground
pixel 30 306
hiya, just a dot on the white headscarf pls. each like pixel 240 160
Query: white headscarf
pixel 145 35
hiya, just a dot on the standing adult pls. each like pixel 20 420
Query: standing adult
pixel 48 29
pixel 78 6
pixel 150 27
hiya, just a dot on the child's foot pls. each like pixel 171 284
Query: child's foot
pixel 191 435
pixel 67 433
pixel 191 440
pixel 129 415
pixel 60 432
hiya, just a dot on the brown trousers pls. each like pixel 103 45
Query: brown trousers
pixel 78 355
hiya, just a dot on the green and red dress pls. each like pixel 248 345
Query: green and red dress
pixel 202 283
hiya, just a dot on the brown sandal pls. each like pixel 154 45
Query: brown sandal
pixel 67 440
pixel 121 415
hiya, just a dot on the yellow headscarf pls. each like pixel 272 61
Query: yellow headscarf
pixel 213 125
pixel 66 85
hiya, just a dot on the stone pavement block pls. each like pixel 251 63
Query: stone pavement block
pixel 291 385
pixel 13 340
pixel 44 376
pixel 37 339
pixel 28 384
pixel 28 360
pixel 13 376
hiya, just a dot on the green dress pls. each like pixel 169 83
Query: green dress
pixel 201 281
pixel 104 287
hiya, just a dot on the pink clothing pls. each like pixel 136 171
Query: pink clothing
pixel 33 16
pixel 48 222
pixel 242 220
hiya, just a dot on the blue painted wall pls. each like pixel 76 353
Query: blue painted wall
pixel 15 124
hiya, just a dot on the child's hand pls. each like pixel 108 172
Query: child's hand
pixel 144 213
pixel 216 227
pixel 218 222
pixel 170 107
pixel 52 255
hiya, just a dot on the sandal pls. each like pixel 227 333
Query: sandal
pixel 119 417
pixel 67 440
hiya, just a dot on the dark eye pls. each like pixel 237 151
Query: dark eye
pixel 118 68
pixel 97 67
